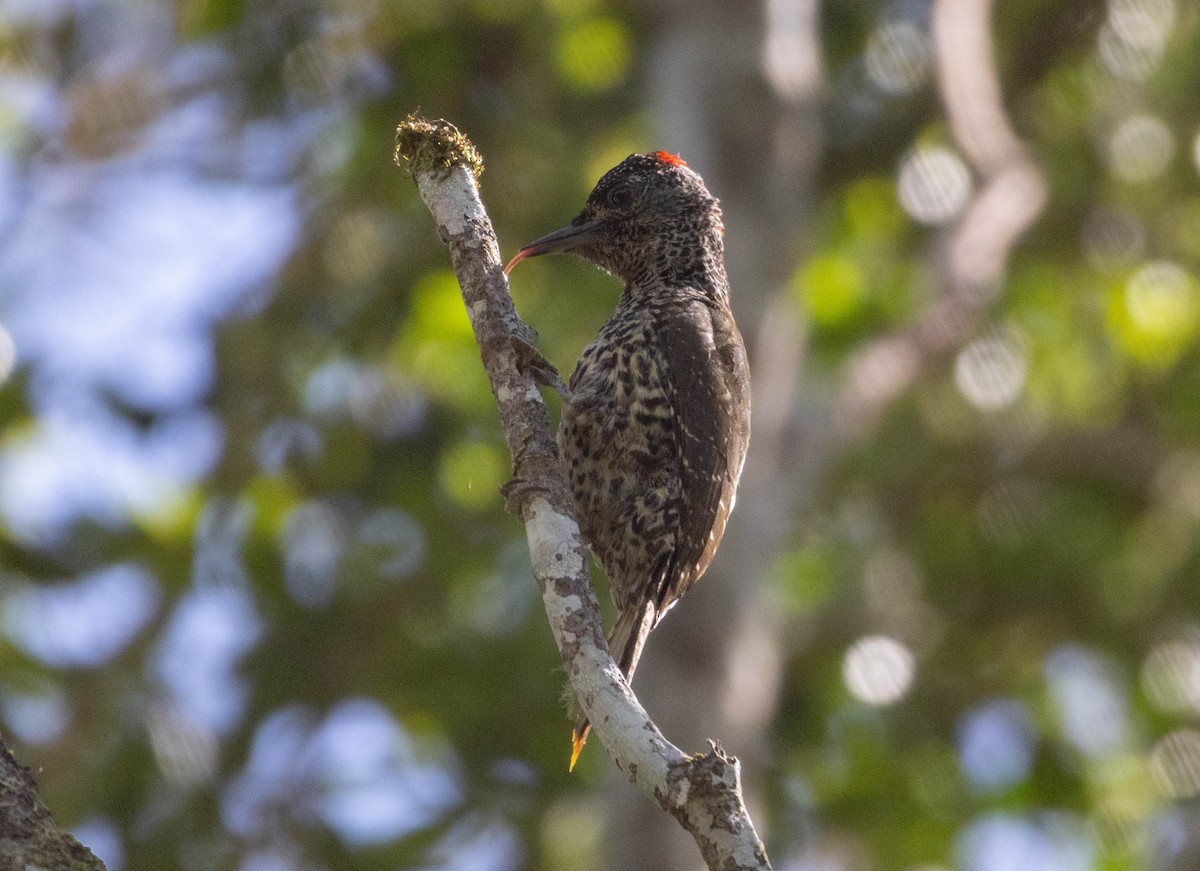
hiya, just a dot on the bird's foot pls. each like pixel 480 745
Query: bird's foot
pixel 531 362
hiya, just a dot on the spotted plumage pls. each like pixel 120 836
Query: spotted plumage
pixel 655 425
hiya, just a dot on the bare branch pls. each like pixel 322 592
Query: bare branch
pixel 28 836
pixel 703 792
pixel 1012 193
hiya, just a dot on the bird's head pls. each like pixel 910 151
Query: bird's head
pixel 650 212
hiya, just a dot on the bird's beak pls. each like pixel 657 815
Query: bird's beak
pixel 566 239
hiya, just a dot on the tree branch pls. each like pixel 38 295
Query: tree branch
pixel 703 792
pixel 28 836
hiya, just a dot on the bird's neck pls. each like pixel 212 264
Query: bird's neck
pixel 697 265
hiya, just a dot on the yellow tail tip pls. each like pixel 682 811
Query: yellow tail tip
pixel 577 742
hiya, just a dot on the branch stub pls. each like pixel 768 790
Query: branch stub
pixel 435 147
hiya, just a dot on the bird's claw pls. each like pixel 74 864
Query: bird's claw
pixel 517 490
pixel 531 362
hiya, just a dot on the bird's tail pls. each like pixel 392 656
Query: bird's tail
pixel 625 643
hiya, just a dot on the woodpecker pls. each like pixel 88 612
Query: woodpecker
pixel 656 420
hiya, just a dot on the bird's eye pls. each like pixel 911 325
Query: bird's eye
pixel 621 196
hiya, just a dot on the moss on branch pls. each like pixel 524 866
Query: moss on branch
pixel 435 147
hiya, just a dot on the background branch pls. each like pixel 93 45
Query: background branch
pixel 703 792
pixel 1011 194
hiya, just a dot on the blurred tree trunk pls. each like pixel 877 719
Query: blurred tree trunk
pixel 713 667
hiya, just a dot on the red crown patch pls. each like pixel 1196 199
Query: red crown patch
pixel 669 158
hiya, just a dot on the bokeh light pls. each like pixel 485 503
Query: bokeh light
pixel 375 787
pixel 1175 763
pixel 472 473
pixel 996 744
pixel 1155 315
pixel 209 632
pixel 594 53
pixel 572 830
pixel 833 288
pixel 78 458
pixel 35 716
pixel 1162 298
pixel 878 670
pixel 356 769
pixel 933 185
pixel 1006 842
pixel 81 623
pixel 1126 800
pixel 1093 713
pixel 1142 22
pixel 1133 61
pixel 1171 675
pixel 1140 148
pixel 436 347
pixel 1132 42
pixel 898 57
pixel 384 404
pixel 991 370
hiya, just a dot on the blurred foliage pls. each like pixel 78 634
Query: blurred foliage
pixel 262 608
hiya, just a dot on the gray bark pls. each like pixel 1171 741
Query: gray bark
pixel 29 839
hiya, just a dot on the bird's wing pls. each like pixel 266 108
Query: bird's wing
pixel 710 395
